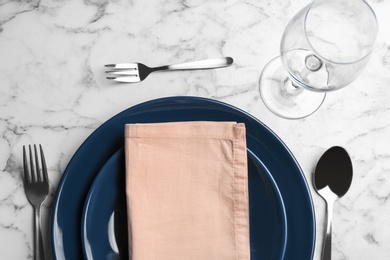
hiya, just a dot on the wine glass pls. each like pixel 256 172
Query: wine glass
pixel 323 48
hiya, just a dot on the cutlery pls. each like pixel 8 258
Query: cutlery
pixel 136 72
pixel 36 186
pixel 332 179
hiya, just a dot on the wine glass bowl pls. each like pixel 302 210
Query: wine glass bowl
pixel 323 48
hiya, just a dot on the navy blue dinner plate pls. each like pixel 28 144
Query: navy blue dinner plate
pixel 109 137
pixel 104 223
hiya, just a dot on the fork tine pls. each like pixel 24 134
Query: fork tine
pixel 128 72
pixel 26 171
pixel 122 66
pixel 32 166
pixel 39 176
pixel 44 168
pixel 126 79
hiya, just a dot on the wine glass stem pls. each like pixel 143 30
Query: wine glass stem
pixel 290 89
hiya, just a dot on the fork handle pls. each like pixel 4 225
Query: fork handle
pixel 201 64
pixel 39 254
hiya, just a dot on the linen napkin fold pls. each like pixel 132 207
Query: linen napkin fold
pixel 187 191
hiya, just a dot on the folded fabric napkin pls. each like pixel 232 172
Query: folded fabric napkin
pixel 187 191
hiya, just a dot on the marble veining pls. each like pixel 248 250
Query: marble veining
pixel 53 91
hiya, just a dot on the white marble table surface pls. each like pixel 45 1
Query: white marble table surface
pixel 53 91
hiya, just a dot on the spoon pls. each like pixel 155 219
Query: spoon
pixel 332 179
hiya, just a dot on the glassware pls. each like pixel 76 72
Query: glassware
pixel 323 48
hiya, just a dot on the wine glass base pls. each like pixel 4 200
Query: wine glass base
pixel 282 97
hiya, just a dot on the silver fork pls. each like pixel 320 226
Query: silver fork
pixel 136 72
pixel 36 187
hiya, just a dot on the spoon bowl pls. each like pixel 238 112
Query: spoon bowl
pixel 332 180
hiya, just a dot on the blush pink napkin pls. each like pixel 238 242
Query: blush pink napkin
pixel 187 191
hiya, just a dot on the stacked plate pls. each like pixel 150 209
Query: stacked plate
pixel 89 214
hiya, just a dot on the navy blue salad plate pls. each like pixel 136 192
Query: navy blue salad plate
pixel 104 223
